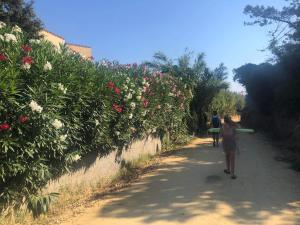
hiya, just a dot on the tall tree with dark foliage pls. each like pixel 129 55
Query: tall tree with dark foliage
pixel 21 13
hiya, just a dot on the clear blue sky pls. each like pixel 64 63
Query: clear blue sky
pixel 133 30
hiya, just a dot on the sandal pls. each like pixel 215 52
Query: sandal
pixel 227 171
pixel 233 177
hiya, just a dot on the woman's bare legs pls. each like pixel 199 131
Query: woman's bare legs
pixel 227 157
pixel 232 164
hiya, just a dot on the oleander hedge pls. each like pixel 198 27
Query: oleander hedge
pixel 56 107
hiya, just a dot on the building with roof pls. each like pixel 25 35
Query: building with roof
pixel 84 51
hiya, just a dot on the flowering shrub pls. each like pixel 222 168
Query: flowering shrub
pixel 55 107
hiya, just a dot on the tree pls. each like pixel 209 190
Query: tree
pixel 273 94
pixel 226 103
pixel 205 83
pixel 287 21
pixel 21 13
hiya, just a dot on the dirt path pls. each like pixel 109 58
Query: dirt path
pixel 190 187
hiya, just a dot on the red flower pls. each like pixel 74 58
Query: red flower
pixel 27 59
pixel 110 85
pixel 2 57
pixel 117 90
pixel 26 48
pixel 23 119
pixel 117 108
pixel 145 103
pixel 4 126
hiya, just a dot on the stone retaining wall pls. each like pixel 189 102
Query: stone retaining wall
pixel 93 170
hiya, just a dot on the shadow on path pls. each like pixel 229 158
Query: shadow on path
pixel 190 184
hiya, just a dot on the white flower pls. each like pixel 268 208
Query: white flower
pixel 132 85
pixel 97 122
pixel 104 63
pixel 127 80
pixel 16 29
pixel 10 37
pixel 47 66
pixel 62 88
pixel 1 37
pixel 132 129
pixel 82 55
pixel 63 137
pixel 117 133
pixel 129 96
pixel 185 86
pixel 132 105
pixel 57 48
pixel 130 116
pixel 153 130
pixel 138 97
pixel 35 107
pixel 34 41
pixel 144 113
pixel 2 24
pixel 76 158
pixel 26 66
pixel 147 84
pixel 125 88
pixel 57 124
pixel 171 94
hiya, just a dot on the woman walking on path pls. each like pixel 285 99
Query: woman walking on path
pixel 229 145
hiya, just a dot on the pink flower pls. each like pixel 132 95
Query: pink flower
pixel 2 57
pixel 181 106
pixel 146 89
pixel 27 60
pixel 23 119
pixel 4 126
pixel 110 85
pixel 117 108
pixel 145 103
pixel 26 48
pixel 117 90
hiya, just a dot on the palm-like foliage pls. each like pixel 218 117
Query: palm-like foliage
pixel 203 83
